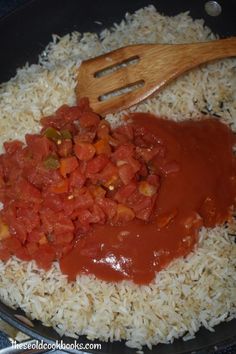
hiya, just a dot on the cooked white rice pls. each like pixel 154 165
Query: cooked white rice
pixel 199 290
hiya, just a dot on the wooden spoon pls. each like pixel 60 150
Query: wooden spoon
pixel 143 69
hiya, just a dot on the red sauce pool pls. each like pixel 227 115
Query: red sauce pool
pixel 198 187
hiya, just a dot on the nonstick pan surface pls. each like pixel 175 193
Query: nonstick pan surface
pixel 24 34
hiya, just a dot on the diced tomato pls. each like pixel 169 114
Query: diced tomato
pixel 40 176
pixel 60 187
pixel 63 238
pixel 109 207
pixel 125 192
pixel 81 229
pixel 96 164
pixel 103 129
pixel 109 176
pixel 52 201
pixel 126 130
pixel 32 247
pixel 48 218
pixel 86 136
pixel 68 205
pixel 83 199
pixel 62 224
pixel 123 152
pixel 24 190
pixel 44 256
pixel 28 217
pixel 40 146
pixel 89 119
pixel 64 149
pixel 68 165
pixel 12 244
pixel 102 147
pixel 84 151
pixel 97 191
pixel 63 117
pixel 126 173
pixel 98 214
pixel 120 138
pixel 147 154
pixel 69 114
pixel 22 253
pixel 135 164
pixel 12 146
pixel 35 235
pixel 84 216
pixel 18 230
pixel 77 179
pixel 4 253
pixel 138 201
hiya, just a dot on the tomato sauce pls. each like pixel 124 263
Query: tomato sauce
pixel 117 203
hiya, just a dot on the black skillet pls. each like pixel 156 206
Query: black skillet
pixel 24 34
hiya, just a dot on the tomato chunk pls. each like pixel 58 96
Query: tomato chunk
pixel 97 164
pixel 89 119
pixel 68 165
pixel 84 151
pixel 60 187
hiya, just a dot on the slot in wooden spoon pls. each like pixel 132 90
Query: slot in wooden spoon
pixel 126 76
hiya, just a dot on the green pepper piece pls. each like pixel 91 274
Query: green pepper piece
pixel 51 162
pixel 52 133
pixel 66 134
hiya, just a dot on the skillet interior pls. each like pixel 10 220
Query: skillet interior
pixel 24 34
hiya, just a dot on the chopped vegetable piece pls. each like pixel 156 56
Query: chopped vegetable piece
pixel 68 165
pixel 123 214
pixel 97 164
pixel 126 173
pixel 60 187
pixel 66 134
pixel 52 133
pixel 51 162
pixel 102 147
pixel 4 230
pixel 65 148
pixel 103 129
pixel 77 178
pixel 89 119
pixel 84 151
pixel 147 189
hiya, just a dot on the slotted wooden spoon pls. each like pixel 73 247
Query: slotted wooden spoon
pixel 143 69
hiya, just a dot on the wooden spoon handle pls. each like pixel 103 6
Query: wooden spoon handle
pixel 207 51
pixel 160 64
